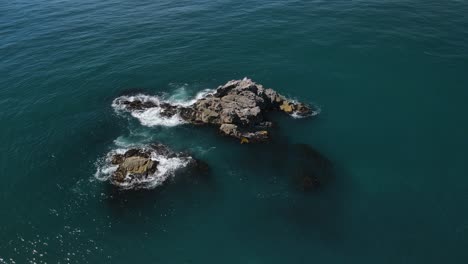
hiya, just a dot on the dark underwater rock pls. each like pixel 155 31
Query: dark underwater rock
pixel 311 169
pixel 139 105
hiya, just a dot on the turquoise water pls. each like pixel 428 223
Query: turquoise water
pixel 391 80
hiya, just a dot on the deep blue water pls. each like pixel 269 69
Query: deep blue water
pixel 391 78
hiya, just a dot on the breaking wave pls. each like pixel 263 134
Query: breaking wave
pixel 180 95
pixel 166 168
pixel 153 116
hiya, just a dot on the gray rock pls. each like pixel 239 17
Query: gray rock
pixel 238 107
pixel 230 130
pixel 132 166
pixel 136 163
pixel 244 135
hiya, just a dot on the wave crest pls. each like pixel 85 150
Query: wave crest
pixel 153 114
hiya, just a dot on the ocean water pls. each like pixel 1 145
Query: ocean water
pixel 390 78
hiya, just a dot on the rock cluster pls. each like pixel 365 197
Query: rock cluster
pixel 238 108
pixel 143 165
pixel 134 163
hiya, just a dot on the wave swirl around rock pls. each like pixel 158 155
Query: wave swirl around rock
pixel 142 167
pixel 238 108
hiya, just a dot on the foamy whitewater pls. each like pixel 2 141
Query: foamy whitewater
pixel 166 169
pixel 152 116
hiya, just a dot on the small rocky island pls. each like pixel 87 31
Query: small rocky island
pixel 238 108
pixel 145 166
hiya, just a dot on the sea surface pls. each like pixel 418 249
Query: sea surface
pixel 390 78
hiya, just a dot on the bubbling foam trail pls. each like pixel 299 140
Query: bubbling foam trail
pixel 190 102
pixel 181 96
pixel 154 115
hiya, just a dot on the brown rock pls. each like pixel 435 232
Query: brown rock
pixel 133 163
pixel 287 107
pixel 117 159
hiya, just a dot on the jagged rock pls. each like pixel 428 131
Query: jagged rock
pixel 148 166
pixel 230 130
pixel 286 107
pixel 139 105
pixel 238 108
pixel 134 166
pixel 168 109
pixel 134 163
pixel 117 159
pixel 245 136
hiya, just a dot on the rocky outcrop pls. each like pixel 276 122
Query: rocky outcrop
pixel 134 164
pixel 245 136
pixel 146 166
pixel 238 108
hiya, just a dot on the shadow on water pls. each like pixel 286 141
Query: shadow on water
pixel 143 207
pixel 312 205
pixel 307 169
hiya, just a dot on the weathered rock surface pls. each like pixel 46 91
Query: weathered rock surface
pixel 238 108
pixel 146 167
pixel 134 164
pixel 245 136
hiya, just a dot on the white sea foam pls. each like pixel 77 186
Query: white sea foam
pixel 154 116
pixel 150 116
pixel 315 111
pixel 166 168
pixel 188 102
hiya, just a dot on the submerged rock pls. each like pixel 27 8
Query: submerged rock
pixel 238 108
pixel 312 169
pixel 145 167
